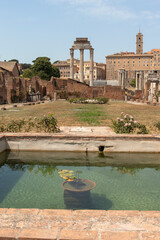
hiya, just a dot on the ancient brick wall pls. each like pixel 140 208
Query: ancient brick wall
pixel 139 94
pixel 114 92
pixel 14 89
pixel 111 92
pixel 3 89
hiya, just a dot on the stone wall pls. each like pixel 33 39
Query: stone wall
pixel 71 86
pixel 3 89
pixel 15 89
pixel 138 94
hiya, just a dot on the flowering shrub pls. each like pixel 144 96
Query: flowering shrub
pixel 48 123
pixel 45 124
pixel 127 124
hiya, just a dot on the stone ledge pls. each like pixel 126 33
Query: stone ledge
pixel 79 143
pixel 47 224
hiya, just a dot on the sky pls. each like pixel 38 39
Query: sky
pixel 36 28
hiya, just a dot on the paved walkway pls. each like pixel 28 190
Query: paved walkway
pixel 87 131
pixel 23 224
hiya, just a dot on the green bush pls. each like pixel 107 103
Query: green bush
pixel 127 124
pixel 46 124
pixel 14 126
pixel 133 83
pixel 102 100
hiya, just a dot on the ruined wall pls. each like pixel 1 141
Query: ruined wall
pixel 3 89
pixel 111 92
pixel 139 94
pixel 114 92
pixel 15 89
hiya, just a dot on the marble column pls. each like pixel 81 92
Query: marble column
pixel 81 65
pixel 137 81
pixel 91 66
pixel 72 63
pixel 119 78
pixel 123 79
pixel 140 81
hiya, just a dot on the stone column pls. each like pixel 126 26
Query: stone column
pixel 123 80
pixel 141 83
pixel 81 65
pixel 72 63
pixel 120 78
pixel 137 81
pixel 91 66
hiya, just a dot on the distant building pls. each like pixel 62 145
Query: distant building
pixel 132 62
pixel 64 68
pixel 11 67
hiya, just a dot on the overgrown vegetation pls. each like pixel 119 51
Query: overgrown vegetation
pixel 91 101
pixel 45 124
pixel 133 83
pixel 127 124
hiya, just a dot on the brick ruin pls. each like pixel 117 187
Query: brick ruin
pixel 17 89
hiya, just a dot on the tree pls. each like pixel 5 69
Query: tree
pixel 43 68
pixel 25 65
pixel 56 72
pixel 27 73
pixel 57 61
pixel 14 60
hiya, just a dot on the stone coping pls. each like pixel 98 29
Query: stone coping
pixel 62 135
pixel 85 141
pixel 30 224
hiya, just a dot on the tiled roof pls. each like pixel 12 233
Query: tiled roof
pixel 8 65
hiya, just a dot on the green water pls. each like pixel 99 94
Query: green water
pixel 123 181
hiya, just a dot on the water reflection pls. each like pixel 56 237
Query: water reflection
pixel 26 180
pixel 36 169
pixel 126 170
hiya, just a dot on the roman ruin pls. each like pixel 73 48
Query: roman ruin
pixel 82 44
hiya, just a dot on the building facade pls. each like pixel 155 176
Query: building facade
pixel 99 70
pixel 132 62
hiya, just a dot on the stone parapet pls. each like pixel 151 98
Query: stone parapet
pixel 85 141
pixel 22 224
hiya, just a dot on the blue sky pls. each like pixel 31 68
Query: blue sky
pixel 33 28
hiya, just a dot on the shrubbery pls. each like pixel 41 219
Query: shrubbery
pixel 86 100
pixel 127 124
pixel 133 83
pixel 45 124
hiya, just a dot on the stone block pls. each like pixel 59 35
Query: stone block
pixel 8 233
pixel 38 234
pixel 120 236
pixel 78 235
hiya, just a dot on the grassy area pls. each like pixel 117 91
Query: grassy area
pixel 86 114
pixel 91 114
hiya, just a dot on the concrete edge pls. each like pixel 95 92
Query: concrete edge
pixel 80 143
